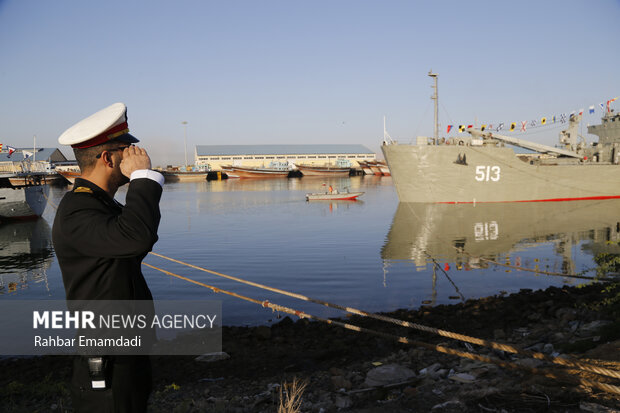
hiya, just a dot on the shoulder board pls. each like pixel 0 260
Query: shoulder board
pixel 83 189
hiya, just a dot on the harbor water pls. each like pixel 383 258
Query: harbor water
pixel 373 254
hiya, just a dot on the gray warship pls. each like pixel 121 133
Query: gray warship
pixel 482 168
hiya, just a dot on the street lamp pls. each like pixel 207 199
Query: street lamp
pixel 184 123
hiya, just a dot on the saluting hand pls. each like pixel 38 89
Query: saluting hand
pixel 134 158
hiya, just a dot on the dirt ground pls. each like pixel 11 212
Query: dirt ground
pixel 350 371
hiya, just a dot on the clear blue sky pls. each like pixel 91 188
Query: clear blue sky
pixel 299 71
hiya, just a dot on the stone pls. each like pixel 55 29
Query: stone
pixel 211 357
pixel 462 378
pixel 499 334
pixel 430 369
pixel 388 374
pixel 538 347
pixel 595 408
pixel 439 374
pixel 548 348
pixel 343 402
pixel 591 327
pixel 450 406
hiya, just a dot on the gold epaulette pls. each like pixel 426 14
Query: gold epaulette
pixel 83 189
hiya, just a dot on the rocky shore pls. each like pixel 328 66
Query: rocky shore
pixel 350 371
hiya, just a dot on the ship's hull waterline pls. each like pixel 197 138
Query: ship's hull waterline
pixel 323 171
pixel 474 174
pixel 23 202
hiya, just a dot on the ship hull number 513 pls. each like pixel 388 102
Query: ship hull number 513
pixel 486 173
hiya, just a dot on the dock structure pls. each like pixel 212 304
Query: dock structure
pixel 40 159
pixel 261 155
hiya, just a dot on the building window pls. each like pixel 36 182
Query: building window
pixel 281 157
pixel 270 157
pixel 215 158
pixel 311 157
pixel 259 157
pixel 226 159
pixel 301 157
pixel 322 157
pixel 248 157
pixel 332 156
pixel 237 157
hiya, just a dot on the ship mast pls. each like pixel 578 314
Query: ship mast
pixel 435 97
pixel 387 139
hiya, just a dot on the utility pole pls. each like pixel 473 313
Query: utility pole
pixel 184 123
pixel 435 97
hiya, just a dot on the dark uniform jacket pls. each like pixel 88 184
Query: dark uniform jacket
pixel 100 244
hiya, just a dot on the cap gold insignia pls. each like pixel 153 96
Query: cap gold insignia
pixel 83 189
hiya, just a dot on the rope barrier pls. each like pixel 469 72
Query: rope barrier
pixel 444 333
pixel 439 348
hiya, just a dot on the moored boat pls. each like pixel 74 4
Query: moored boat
pixel 184 176
pixel 228 170
pixel 69 172
pixel 375 168
pixel 342 167
pixel 385 170
pixel 274 170
pixel 185 173
pixel 365 168
pixel 50 178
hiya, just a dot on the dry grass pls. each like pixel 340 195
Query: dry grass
pixel 290 396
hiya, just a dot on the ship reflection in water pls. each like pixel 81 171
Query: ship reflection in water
pixel 467 237
pixel 26 254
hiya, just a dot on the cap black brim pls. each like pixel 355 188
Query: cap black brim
pixel 127 138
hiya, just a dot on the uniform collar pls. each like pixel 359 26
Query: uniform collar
pixel 97 191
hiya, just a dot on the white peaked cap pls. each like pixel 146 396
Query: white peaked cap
pixel 107 124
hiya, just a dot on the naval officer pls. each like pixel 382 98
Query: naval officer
pixel 100 245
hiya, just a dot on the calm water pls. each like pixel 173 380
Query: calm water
pixel 373 254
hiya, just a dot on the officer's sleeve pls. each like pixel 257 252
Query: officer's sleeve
pixel 93 231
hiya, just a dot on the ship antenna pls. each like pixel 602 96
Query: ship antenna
pixel 387 139
pixel 435 97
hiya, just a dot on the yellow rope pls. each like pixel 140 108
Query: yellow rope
pixel 442 349
pixel 455 336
